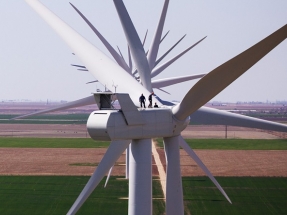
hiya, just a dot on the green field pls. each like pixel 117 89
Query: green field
pixel 47 119
pixel 56 194
pixel 235 144
pixel 51 143
pixel 53 195
pixel 220 144
pixel 249 195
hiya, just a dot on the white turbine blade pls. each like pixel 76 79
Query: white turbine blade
pixel 135 45
pixel 92 82
pixel 127 69
pixel 145 37
pixel 112 51
pixel 113 153
pixel 174 193
pixel 194 156
pixel 168 51
pixel 211 116
pixel 163 91
pixel 78 103
pixel 75 65
pixel 153 50
pixel 120 53
pixel 218 79
pixel 164 37
pixel 130 60
pixel 175 80
pixel 108 177
pixel 163 66
pixel 102 67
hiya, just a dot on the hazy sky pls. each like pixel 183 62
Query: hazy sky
pixel 35 62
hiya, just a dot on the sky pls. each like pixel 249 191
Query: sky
pixel 35 62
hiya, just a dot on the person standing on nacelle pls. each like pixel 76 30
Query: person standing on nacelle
pixel 150 100
pixel 142 100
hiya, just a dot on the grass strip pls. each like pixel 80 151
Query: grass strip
pixel 235 144
pixel 18 142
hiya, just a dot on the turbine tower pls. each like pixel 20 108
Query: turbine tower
pixel 135 126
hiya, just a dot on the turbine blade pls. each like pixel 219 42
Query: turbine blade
pixel 113 153
pixel 78 103
pixel 175 80
pixel 163 91
pixel 101 67
pixel 218 79
pixel 164 37
pixel 153 50
pixel 194 156
pixel 145 37
pixel 120 53
pixel 78 66
pixel 112 51
pixel 108 177
pixel 160 68
pixel 85 70
pixel 165 54
pixel 130 60
pixel 92 82
pixel 135 45
pixel 211 116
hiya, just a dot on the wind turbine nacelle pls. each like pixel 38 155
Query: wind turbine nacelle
pixel 112 125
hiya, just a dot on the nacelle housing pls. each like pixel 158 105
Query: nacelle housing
pixel 112 125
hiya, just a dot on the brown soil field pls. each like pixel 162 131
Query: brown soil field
pixel 33 161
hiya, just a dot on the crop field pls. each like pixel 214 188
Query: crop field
pixel 219 144
pixel 55 194
pixel 24 194
pixel 249 195
pixel 46 119
pixel 51 143
pixel 235 144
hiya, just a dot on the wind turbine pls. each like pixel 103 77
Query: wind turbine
pixel 138 126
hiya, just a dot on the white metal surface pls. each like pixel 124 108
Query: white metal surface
pixel 128 161
pixel 78 103
pixel 112 51
pixel 129 110
pixel 174 194
pixel 157 70
pixel 168 51
pixel 108 176
pixel 140 178
pixel 174 80
pixel 211 116
pixel 153 50
pixel 94 60
pixel 106 125
pixel 219 78
pixel 112 125
pixel 135 45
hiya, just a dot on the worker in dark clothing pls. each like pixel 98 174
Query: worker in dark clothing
pixel 155 105
pixel 150 100
pixel 142 100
